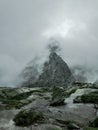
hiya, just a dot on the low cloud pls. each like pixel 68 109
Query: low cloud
pixel 26 28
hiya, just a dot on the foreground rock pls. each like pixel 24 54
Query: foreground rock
pixel 28 117
pixel 55 117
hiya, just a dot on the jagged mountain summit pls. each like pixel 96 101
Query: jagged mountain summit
pixel 55 73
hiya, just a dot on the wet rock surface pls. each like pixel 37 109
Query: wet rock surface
pixel 55 117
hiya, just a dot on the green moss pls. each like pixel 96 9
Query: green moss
pixel 11 98
pixel 45 89
pixel 22 95
pixel 90 98
pixel 58 97
pixel 26 118
pixel 87 98
pixel 8 104
pixel 90 128
pixel 68 93
pixel 46 98
pixel 57 92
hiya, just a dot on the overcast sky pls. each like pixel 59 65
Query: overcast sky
pixel 27 25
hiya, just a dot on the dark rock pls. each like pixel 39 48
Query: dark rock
pixel 96 106
pixel 90 97
pixel 27 117
pixel 94 123
pixel 77 100
pixel 73 126
pixel 55 73
pixel 95 85
pixel 58 97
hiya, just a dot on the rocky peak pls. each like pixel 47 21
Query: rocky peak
pixel 55 73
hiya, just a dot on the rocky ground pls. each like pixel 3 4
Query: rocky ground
pixel 57 106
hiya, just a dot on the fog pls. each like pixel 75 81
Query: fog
pixel 27 27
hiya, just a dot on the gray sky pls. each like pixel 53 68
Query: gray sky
pixel 27 25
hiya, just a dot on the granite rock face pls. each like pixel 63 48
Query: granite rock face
pixel 55 73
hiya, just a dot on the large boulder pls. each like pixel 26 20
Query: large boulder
pixel 27 117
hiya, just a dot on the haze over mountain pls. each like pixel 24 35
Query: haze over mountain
pixel 55 72
pixel 27 26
